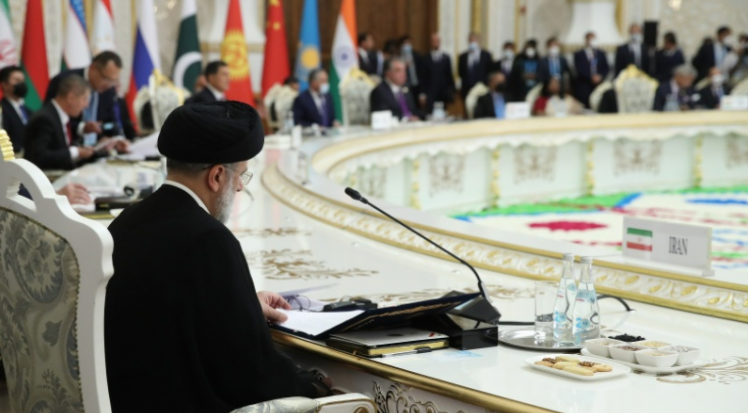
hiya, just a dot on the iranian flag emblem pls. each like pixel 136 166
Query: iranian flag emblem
pixel 638 239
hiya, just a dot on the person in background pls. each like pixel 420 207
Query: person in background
pixel 740 71
pixel 505 62
pixel 414 63
pixel 553 100
pixel 437 81
pixel 390 50
pixel 713 54
pixel 592 68
pixel 633 52
pixel 525 71
pixel 217 81
pixel 314 106
pixel 369 60
pixel 712 94
pixel 554 64
pixel 473 66
pixel 392 93
pixel 668 58
pixel 608 102
pixel 493 104
pixel 678 93
pixel 15 114
pixel 200 83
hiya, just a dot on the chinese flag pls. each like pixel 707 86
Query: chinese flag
pixel 234 53
pixel 275 68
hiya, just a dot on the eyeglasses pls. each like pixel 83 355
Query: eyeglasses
pixel 246 176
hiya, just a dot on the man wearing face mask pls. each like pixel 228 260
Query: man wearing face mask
pixel 712 94
pixel 437 82
pixel 525 71
pixel 554 65
pixel 492 105
pixel 314 106
pixel 505 63
pixel 677 94
pixel 473 65
pixel 634 52
pixel 592 67
pixel 14 112
pixel 668 58
pixel 713 54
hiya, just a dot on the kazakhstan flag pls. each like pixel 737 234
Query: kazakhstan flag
pixel 308 55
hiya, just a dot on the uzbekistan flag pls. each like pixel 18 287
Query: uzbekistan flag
pixel 102 38
pixel 76 53
pixel 34 55
pixel 146 56
pixel 234 52
pixel 344 53
pixel 638 239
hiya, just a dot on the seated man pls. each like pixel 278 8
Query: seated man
pixel 712 94
pixel 678 93
pixel 51 142
pixel 391 94
pixel 314 105
pixel 184 328
pixel 15 114
pixel 217 81
pixel 493 103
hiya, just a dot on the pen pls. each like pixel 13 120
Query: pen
pixel 405 353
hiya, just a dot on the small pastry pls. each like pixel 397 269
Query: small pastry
pixel 561 364
pixel 544 363
pixel 567 358
pixel 602 368
pixel 582 371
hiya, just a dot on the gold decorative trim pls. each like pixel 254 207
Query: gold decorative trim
pixel 6 146
pixel 633 72
pixel 415 199
pixel 287 264
pixel 698 162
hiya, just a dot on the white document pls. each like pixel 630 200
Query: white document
pixel 146 146
pixel 517 110
pixel 381 120
pixel 733 103
pixel 316 323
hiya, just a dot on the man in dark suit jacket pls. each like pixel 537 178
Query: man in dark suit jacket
pixel 492 105
pixel 392 94
pixel 711 95
pixel 474 65
pixel 554 64
pixel 14 113
pixel 633 52
pixel 668 58
pixel 592 67
pixel 437 81
pixel 369 60
pixel 217 81
pixel 314 106
pixel 712 53
pixel 677 94
pixel 102 76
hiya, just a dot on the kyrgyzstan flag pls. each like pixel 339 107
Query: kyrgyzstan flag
pixel 275 68
pixel 234 53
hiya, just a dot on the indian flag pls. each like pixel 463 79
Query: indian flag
pixel 344 53
pixel 638 239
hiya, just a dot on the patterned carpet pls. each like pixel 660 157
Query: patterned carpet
pixel 597 220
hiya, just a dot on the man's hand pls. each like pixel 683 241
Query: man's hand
pixel 270 301
pixel 335 124
pixel 85 152
pixel 121 145
pixel 76 194
pixel 92 127
pixel 596 79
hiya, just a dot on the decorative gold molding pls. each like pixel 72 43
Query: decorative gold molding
pixel 6 146
pixel 476 16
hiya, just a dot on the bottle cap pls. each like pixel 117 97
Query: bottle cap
pixel 586 260
pixel 568 257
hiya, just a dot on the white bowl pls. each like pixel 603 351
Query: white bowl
pixel 600 346
pixel 651 343
pixel 656 358
pixel 686 355
pixel 629 356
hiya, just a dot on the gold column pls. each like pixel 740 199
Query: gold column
pixel 476 16
pixel 590 167
pixel 495 186
pixel 415 187
pixel 698 161
pixel 88 8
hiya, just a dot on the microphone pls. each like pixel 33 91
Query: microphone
pixel 480 308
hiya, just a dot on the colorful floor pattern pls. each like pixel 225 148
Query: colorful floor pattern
pixel 596 220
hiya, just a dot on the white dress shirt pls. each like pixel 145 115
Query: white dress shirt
pixel 64 118
pixel 218 95
pixel 194 196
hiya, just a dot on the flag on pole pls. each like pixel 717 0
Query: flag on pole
pixel 8 48
pixel 34 55
pixel 75 52
pixel 188 62
pixel 102 38
pixel 344 53
pixel 146 55
pixel 275 68
pixel 307 55
pixel 234 53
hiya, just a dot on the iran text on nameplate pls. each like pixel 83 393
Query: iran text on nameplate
pixel 670 243
pixel 517 110
pixel 731 103
pixel 381 120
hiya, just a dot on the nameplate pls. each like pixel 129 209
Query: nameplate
pixel 731 103
pixel 381 120
pixel 517 110
pixel 669 243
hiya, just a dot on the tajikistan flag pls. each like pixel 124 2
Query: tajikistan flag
pixel 102 38
pixel 76 53
pixel 344 53
pixel 638 239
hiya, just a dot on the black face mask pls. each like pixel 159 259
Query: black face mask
pixel 20 89
pixel 500 88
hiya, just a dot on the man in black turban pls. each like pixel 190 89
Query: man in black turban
pixel 184 328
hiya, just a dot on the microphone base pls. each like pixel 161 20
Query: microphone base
pixel 478 309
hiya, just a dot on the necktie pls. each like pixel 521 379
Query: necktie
pixel 554 67
pixel 403 105
pixel 24 114
pixel 323 111
pixel 69 133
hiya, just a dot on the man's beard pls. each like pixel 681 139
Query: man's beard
pixel 224 204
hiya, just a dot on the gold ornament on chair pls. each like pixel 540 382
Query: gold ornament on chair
pixel 6 146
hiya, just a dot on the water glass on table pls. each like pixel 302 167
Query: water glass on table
pixel 545 299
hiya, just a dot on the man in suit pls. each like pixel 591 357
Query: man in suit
pixel 413 67
pixel 314 106
pixel 506 61
pixel 592 67
pixel 712 54
pixel 633 52
pixel 524 74
pixel 437 81
pixel 15 114
pixel 102 76
pixel 668 58
pixel 677 94
pixel 554 64
pixel 217 81
pixel 393 95
pixel 493 104
pixel 473 65
pixel 369 60
pixel 712 94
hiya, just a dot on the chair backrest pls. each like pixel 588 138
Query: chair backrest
pixel 740 89
pixel 635 91
pixel 268 101
pixel 165 97
pixel 532 94
pixel 284 103
pixel 54 266
pixel 354 93
pixel 471 100
pixel 597 95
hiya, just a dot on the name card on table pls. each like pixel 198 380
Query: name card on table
pixel 381 120
pixel 731 103
pixel 669 243
pixel 517 110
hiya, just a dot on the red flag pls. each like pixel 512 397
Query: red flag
pixel 275 68
pixel 234 53
pixel 34 55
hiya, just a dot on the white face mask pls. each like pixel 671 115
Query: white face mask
pixel 474 46
pixel 509 54
pixel 592 43
pixel 718 79
pixel 554 51
pixel 324 88
pixel 727 41
pixel 636 37
pixel 530 52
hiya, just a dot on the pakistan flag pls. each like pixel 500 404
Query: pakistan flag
pixel 188 62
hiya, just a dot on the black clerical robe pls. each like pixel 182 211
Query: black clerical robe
pixel 184 330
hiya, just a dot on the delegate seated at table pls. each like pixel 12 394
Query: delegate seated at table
pixel 314 105
pixel 392 94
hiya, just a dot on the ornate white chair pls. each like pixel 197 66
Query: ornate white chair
pixel 268 102
pixel 471 100
pixel 354 92
pixel 532 94
pixel 635 91
pixel 740 89
pixel 597 95
pixel 163 98
pixel 284 103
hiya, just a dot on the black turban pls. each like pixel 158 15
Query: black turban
pixel 213 133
